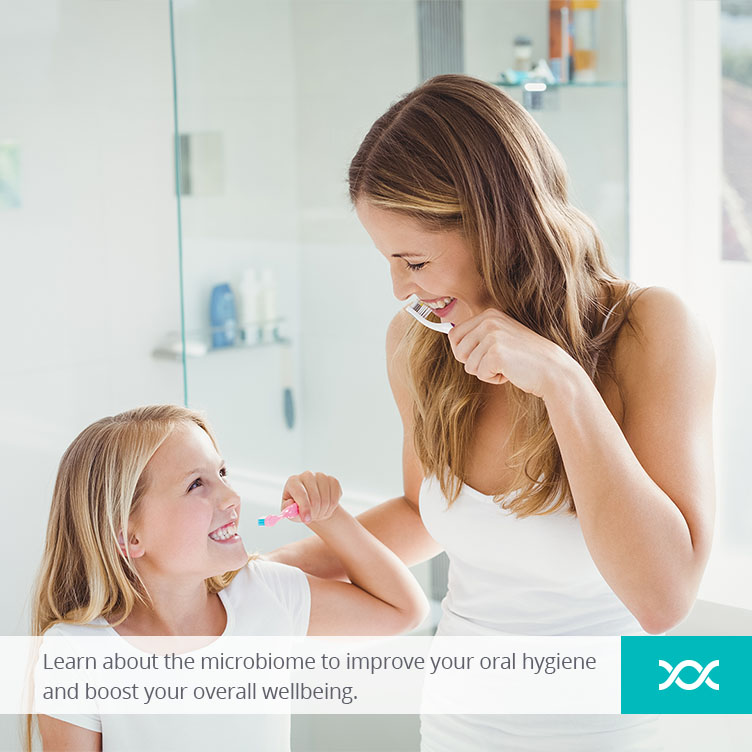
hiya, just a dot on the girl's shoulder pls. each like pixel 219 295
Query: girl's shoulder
pixel 268 597
pixel 263 576
pixel 97 627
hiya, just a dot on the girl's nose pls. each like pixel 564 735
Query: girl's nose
pixel 231 498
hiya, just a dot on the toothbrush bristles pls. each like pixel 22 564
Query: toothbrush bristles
pixel 421 309
pixel 420 312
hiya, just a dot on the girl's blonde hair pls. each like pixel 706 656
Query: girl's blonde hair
pixel 100 483
pixel 459 154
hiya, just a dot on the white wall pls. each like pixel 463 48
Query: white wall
pixel 89 260
pixel 675 228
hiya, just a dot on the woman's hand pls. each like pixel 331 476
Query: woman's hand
pixel 496 348
pixel 316 494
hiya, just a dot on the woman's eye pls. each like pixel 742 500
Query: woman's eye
pixel 415 267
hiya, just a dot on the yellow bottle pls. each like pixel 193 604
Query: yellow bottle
pixel 585 45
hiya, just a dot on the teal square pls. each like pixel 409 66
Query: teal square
pixel 686 675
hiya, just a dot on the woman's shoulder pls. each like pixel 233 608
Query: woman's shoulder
pixel 396 331
pixel 663 331
pixel 396 355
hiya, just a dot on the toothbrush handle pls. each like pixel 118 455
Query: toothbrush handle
pixel 290 511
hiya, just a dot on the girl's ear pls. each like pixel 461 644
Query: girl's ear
pixel 134 546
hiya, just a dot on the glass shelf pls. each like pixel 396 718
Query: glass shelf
pixel 538 94
pixel 198 343
pixel 564 85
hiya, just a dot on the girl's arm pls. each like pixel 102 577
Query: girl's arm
pixel 382 596
pixel 396 522
pixel 59 736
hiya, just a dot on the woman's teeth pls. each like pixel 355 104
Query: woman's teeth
pixel 439 304
pixel 224 532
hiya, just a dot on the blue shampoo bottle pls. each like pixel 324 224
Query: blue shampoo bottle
pixel 224 320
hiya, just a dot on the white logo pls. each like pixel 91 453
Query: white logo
pixel 675 671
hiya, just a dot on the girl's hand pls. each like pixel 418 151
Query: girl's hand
pixel 316 494
pixel 497 348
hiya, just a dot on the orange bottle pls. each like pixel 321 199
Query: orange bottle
pixel 560 39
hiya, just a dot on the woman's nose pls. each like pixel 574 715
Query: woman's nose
pixel 402 287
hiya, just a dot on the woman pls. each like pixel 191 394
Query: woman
pixel 558 441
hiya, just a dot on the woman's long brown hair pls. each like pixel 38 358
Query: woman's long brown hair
pixel 459 154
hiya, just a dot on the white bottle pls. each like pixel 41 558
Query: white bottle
pixel 249 306
pixel 267 305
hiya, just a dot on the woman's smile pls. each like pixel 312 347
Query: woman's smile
pixel 443 307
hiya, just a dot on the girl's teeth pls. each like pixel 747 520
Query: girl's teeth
pixel 224 533
pixel 440 303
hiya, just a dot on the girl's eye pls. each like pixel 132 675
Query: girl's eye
pixel 415 267
pixel 222 472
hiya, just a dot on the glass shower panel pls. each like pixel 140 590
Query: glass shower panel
pixel 273 101
pixel 239 207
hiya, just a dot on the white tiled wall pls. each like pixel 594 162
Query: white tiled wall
pixel 89 260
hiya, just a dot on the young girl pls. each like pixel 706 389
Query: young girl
pixel 143 540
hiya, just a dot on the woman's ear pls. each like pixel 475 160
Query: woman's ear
pixel 134 546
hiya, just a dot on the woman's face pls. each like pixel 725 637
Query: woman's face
pixel 438 267
pixel 186 523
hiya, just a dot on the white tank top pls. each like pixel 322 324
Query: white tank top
pixel 531 576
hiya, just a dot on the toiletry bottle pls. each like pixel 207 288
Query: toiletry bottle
pixel 523 53
pixel 248 317
pixel 267 306
pixel 584 24
pixel 222 316
pixel 560 39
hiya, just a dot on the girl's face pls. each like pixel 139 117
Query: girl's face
pixel 438 267
pixel 187 522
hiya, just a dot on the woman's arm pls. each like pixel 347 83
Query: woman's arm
pixel 396 522
pixel 644 492
pixel 59 736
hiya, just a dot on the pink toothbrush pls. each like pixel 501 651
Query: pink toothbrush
pixel 272 519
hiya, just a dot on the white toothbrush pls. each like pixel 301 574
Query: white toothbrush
pixel 420 312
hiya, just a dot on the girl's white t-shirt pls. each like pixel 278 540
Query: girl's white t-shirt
pixel 264 599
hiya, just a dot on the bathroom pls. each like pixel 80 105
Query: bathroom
pixel 153 151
